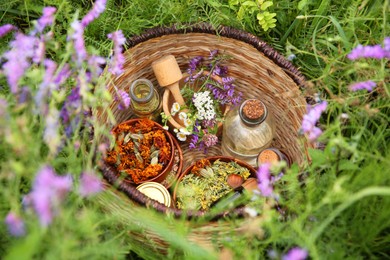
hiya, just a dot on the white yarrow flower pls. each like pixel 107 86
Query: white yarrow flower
pixel 205 106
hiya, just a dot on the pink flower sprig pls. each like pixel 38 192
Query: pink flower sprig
pixel 15 225
pixel 368 85
pixel 123 98
pixel 310 120
pixel 90 184
pixel 6 28
pixel 46 19
pixel 98 8
pixel 296 253
pixel 118 59
pixel 264 177
pixel 371 51
pixel 49 191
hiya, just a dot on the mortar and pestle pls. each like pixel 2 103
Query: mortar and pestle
pixel 169 75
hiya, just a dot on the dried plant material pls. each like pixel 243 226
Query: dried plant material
pixel 206 183
pixel 141 150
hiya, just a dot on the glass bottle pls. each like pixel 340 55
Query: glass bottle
pixel 247 130
pixel 145 100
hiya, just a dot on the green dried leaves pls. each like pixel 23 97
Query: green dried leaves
pixel 199 192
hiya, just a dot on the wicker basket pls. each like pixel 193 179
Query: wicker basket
pixel 260 72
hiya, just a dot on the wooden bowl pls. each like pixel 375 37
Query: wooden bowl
pixel 212 159
pixel 167 167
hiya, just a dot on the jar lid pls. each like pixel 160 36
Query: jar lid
pixel 141 90
pixel 156 191
pixel 268 156
pixel 253 112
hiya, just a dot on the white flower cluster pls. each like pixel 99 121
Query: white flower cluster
pixel 205 106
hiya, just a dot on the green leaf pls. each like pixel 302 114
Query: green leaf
pixel 260 17
pixel 233 2
pixel 249 3
pixel 302 4
pixel 266 4
pixel 318 157
pixel 345 165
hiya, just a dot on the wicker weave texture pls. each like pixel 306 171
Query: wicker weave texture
pixel 257 76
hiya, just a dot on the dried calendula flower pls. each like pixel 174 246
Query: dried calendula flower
pixel 141 150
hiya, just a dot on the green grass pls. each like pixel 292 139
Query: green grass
pixel 339 209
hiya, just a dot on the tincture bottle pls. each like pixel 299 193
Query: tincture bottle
pixel 145 100
pixel 247 130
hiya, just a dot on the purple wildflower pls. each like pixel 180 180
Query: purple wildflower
pixel 193 142
pixel 18 59
pixel 71 110
pixel 218 70
pixel 49 190
pixel 90 184
pixel 296 253
pixel 386 46
pixel 193 64
pixel 39 54
pixel 194 137
pixel 6 28
pixel 15 225
pixel 210 140
pixel 264 177
pixel 46 85
pixel 95 64
pixel 209 123
pixel 376 52
pixel 213 54
pixel 62 75
pixel 118 59
pixel 24 95
pixel 79 44
pixel 51 133
pixel 368 85
pixel 98 8
pixel 310 120
pixel 46 19
pixel 124 99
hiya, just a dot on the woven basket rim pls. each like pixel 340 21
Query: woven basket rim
pixel 204 28
pixel 224 31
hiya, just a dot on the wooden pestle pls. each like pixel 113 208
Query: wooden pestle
pixel 168 74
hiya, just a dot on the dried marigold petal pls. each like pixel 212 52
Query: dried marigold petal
pixel 200 165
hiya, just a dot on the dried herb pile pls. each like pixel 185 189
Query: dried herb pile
pixel 206 183
pixel 141 150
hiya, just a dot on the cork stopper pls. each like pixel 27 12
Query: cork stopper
pixel 253 112
pixel 268 156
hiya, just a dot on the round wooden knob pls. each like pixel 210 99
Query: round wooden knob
pixel 167 70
